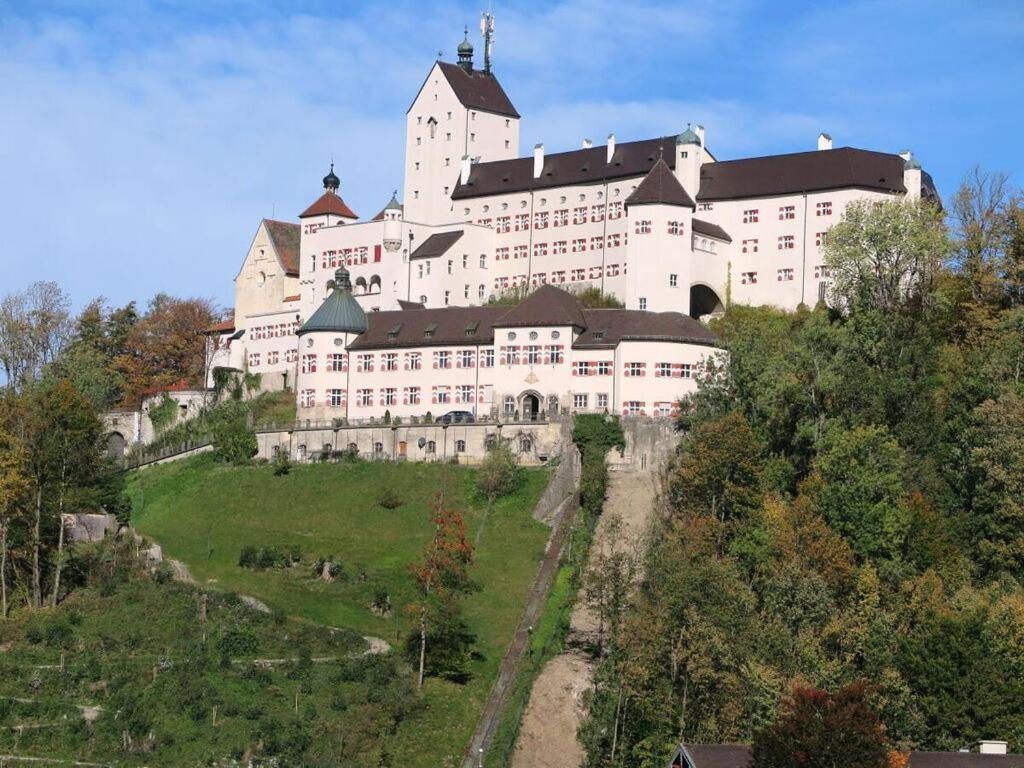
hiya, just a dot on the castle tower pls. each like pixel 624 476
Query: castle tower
pixel 460 111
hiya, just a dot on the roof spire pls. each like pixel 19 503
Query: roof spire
pixel 331 181
pixel 465 51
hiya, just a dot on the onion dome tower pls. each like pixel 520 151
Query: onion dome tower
pixel 465 51
pixel 340 312
pixel 331 181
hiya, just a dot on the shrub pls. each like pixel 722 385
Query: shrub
pixel 282 463
pixel 264 558
pixel 389 499
pixel 247 558
pixel 237 641
pixel 498 473
pixel 233 441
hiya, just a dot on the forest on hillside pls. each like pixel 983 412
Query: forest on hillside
pixel 846 503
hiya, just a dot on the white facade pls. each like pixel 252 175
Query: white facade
pixel 478 220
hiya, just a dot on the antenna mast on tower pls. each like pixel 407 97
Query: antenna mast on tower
pixel 487 30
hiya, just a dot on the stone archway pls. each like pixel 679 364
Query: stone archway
pixel 704 301
pixel 115 445
pixel 530 404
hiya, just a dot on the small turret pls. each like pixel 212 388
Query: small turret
pixel 689 149
pixel 331 181
pixel 465 52
pixel 393 224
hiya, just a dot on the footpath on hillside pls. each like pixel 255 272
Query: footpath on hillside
pixel 547 735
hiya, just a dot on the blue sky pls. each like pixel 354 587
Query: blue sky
pixel 140 143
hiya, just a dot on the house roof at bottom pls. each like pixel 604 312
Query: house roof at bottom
pixel 545 306
pixel 718 755
pixel 437 244
pixel 711 230
pixel 607 327
pixel 447 325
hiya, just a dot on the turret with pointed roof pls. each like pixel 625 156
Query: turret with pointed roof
pixel 330 202
pixel 340 312
pixel 660 187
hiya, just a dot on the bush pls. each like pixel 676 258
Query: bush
pixel 265 558
pixel 232 439
pixel 247 558
pixel 237 641
pixel 282 464
pixel 389 499
pixel 498 473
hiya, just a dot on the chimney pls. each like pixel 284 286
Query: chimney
pixel 464 171
pixel 587 144
pixel 699 130
pixel 538 160
pixel 906 154
pixel 611 147
pixel 990 747
pixel 824 141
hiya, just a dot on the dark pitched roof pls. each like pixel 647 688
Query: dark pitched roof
pixel 581 166
pixel 285 237
pixel 446 326
pixel 963 760
pixel 478 90
pixel 340 312
pixel 660 187
pixel 715 755
pixel 545 306
pixel 711 230
pixel 329 202
pixel 437 244
pixel 403 304
pixel 605 328
pixel 801 172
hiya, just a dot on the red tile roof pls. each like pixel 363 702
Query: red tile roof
pixel 285 237
pixel 329 202
pixel 222 327
pixel 296 297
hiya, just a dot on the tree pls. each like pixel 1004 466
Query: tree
pixel 233 441
pixel 815 728
pixel 885 254
pixel 498 473
pixel 442 578
pixel 595 298
pixel 981 230
pixel 166 346
pixel 13 485
pixel 718 472
pixel 34 329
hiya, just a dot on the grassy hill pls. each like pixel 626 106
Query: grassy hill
pixel 204 514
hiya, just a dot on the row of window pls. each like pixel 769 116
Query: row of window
pixel 531 354
pixel 337 362
pixel 462 394
pixel 559 276
pixel 784 275
pixel 349 257
pixel 560 218
pixel 273 330
pixel 786 212
pixel 784 242
pixel 273 358
pixel 579 245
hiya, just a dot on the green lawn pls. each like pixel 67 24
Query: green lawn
pixel 203 513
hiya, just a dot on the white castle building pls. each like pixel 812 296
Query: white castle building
pixel 391 313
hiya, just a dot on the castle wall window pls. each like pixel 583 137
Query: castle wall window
pixel 519 252
pixel 751 216
pixel 602 400
pixel 787 242
pixel 291 355
pixel 748 278
pixel 579 245
pixel 364 363
pixel 464 393
pixel 821 271
pixel 604 368
pixel 579 215
pixel 431 447
pixel 643 227
pixel 673 281
pixel 390 396
pixel 364 397
pixel 254 359
pixel 675 227
pixel 749 246
pixel 487 358
pixel 522 222
pixel 441 395
pixel 307 398
pixel 447 298
pixel 787 212
pixel 612 271
pixel 501 254
pixel 540 220
pixel 663 370
pixel 633 408
pixel 560 218
pixel 597 213
pixel 309 363
pixel 785 275
pixel 413 361
pixel 540 249
pixel 443 359
pixel 411 396
pixel 389 361
pixel 634 370
pixel 533 354
pixel 509 405
pixel 336 397
pixel 465 359
pixel 819 239
pixel 559 246
pixel 643 303
pixel 337 362
pixel 504 224
pixel 580 400
pixel 596 243
pixel 614 240
pixel 465 292
pixel 272 358
pixel 554 353
pixel 451 264
pixel 480 293
pixel 460 445
pixel 823 209
pixel 483 261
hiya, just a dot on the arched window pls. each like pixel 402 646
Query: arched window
pixel 431 446
pixel 460 446
pixel 353 448
pixel 328 449
pixel 525 444
pixel 378 449
pixel 300 453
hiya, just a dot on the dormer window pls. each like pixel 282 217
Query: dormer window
pixel 472 327
pixel 428 332
pixel 394 331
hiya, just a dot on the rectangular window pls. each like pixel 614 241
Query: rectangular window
pixel 519 252
pixel 501 254
pixel 673 281
pixel 336 362
pixel 364 397
pixel 578 274
pixel 554 353
pixel 442 394
pixel 411 395
pixel 749 246
pixel 615 210
pixel 580 368
pixel 787 242
pixel 579 245
pixel 254 360
pixel 443 359
pixel 580 400
pixel 389 361
pixel 706 207
pixel 559 246
pixel 596 243
pixel 751 216
pixel 272 358
pixel 540 220
pixel 579 215
pixel 533 354
pixel 614 240
pixel 561 218
pixel 663 370
pixel 604 368
pixel 633 408
pixel 643 303
pixel 307 398
pixel 821 272
pixel 364 363
pixel 748 278
pixel 390 396
pixel 819 239
pixel 823 209
pixel 634 370
pixel 309 363
pixel 597 213
pixel 522 222
pixel 335 397
pixel 602 400
pixel 643 227
pixel 483 261
pixel 785 275
pixel 413 361
pixel 540 249
pixel 464 393
pixel 675 227
pixel 787 212
pixel 465 358
pixel 504 224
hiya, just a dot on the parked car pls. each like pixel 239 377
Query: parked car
pixel 456 417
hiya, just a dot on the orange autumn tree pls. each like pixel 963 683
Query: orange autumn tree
pixel 442 580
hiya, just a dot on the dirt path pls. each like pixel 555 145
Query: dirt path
pixel 547 736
